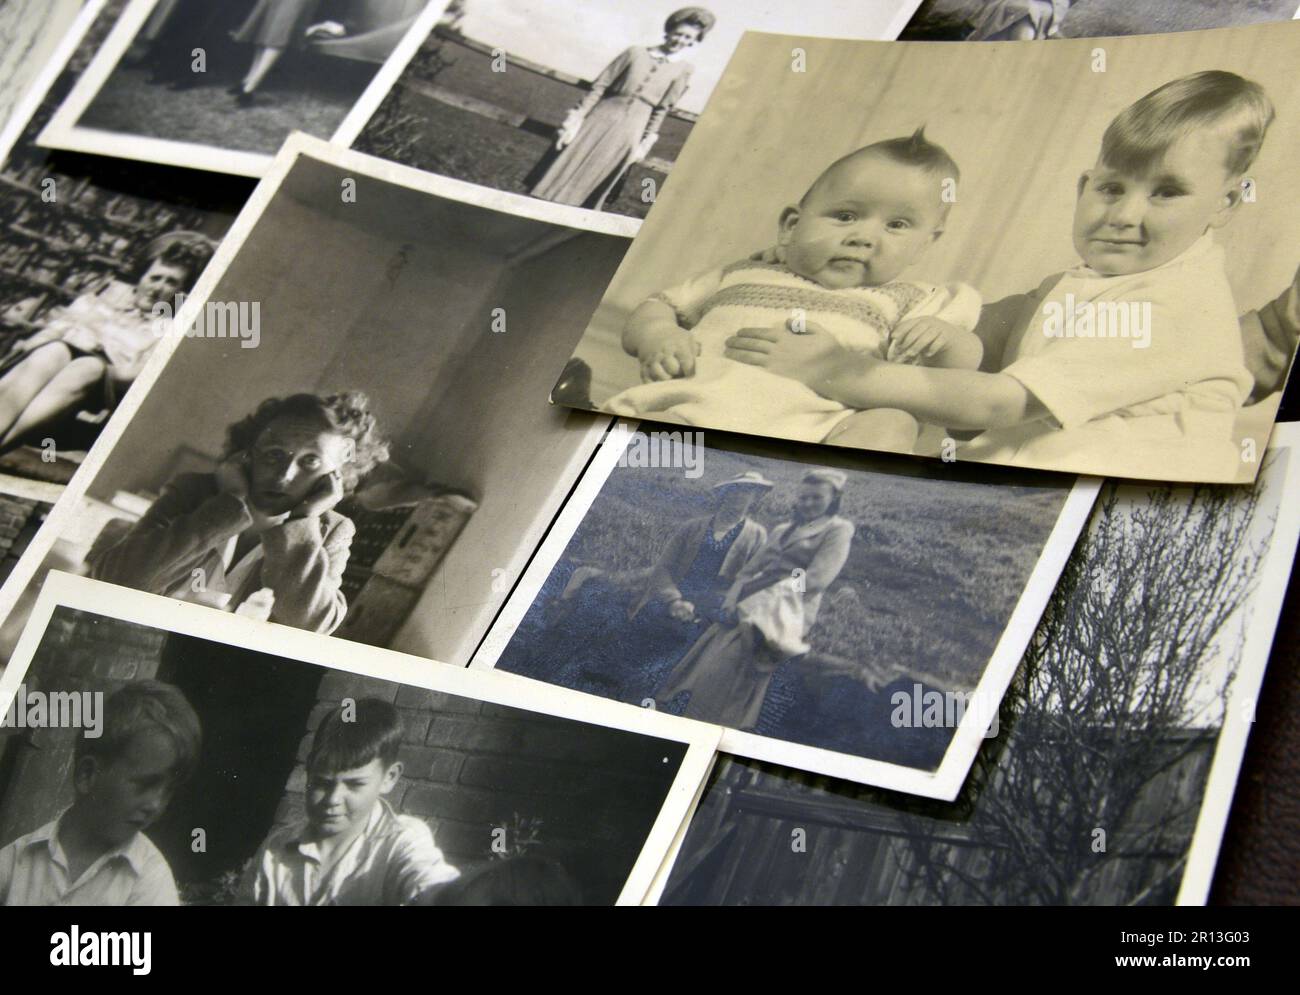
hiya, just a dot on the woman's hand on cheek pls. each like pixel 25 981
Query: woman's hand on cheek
pixel 810 355
pixel 232 475
pixel 327 492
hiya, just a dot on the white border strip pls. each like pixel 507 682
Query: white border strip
pixel 63 132
pixel 943 783
pixel 701 740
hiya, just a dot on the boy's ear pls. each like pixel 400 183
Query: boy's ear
pixel 785 227
pixel 1232 197
pixel 1084 177
pixel 391 777
pixel 84 773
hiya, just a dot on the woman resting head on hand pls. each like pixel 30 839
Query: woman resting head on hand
pixel 265 519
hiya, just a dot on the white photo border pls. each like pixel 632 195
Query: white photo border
pixel 126 605
pixel 69 503
pixel 944 782
pixel 63 132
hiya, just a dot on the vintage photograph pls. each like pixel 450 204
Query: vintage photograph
pixel 30 31
pixel 348 431
pixel 1035 20
pixel 89 246
pixel 230 765
pixel 1113 773
pixel 219 86
pixel 947 271
pixel 848 614
pixel 582 102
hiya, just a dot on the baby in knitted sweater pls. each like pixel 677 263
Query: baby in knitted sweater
pixel 839 254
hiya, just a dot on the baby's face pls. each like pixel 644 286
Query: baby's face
pixel 863 224
pixel 1127 224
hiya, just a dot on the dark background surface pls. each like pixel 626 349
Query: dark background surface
pixel 1259 863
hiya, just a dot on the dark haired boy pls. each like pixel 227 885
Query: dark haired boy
pixel 96 853
pixel 353 849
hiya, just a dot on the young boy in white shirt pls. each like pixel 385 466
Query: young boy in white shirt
pixel 1156 402
pixel 353 849
pixel 96 852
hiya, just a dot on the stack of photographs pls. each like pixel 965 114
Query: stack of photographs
pixel 545 453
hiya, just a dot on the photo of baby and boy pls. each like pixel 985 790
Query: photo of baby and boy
pixel 859 323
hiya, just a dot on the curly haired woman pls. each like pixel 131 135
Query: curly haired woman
pixel 264 519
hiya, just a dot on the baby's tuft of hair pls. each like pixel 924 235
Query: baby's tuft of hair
pixel 1142 133
pixel 146 706
pixel 912 150
pixel 348 738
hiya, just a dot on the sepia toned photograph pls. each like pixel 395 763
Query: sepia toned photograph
pixel 230 765
pixel 346 429
pixel 220 86
pixel 851 615
pixel 1112 776
pixel 1038 20
pixel 581 102
pixel 88 248
pixel 943 270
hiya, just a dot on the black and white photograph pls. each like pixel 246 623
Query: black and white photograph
pixel 1044 256
pixel 848 614
pixel 346 427
pixel 89 246
pixel 30 31
pixel 1112 775
pixel 1038 20
pixel 582 102
pixel 220 85
pixel 233 765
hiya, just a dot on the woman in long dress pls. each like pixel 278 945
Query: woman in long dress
pixel 767 614
pixel 617 634
pixel 271 27
pixel 617 123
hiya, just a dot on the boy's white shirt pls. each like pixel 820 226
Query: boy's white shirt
pixel 285 868
pixel 1166 410
pixel 34 871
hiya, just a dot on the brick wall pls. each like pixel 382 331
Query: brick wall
pixel 80 652
pixel 582 794
pixel 19 520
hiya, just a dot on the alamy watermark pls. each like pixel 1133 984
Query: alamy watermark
pixel 661 449
pixel 56 710
pixel 1098 320
pixel 218 320
pixel 922 709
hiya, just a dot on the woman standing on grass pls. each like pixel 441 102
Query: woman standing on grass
pixel 271 27
pixel 617 123
pixel 768 612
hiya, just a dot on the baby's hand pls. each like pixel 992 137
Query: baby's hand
pixel 671 357
pixel 917 340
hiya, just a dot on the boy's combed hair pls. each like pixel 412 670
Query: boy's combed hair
pixel 1143 132
pixel 373 730
pixel 145 706
pixel 913 150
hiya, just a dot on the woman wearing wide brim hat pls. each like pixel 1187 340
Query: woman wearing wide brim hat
pixel 768 613
pixel 617 633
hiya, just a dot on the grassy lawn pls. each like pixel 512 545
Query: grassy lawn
pixel 207 115
pixel 439 138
